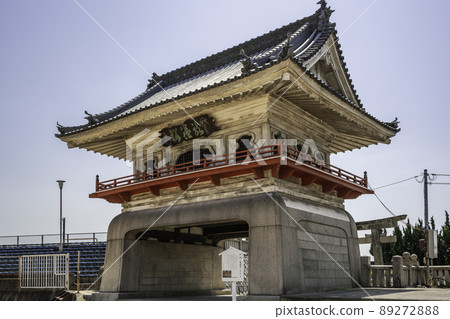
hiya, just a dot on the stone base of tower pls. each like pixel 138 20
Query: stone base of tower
pixel 296 246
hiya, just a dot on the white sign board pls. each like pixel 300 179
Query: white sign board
pixel 232 264
pixel 432 243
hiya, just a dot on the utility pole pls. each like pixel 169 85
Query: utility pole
pixel 60 183
pixel 425 201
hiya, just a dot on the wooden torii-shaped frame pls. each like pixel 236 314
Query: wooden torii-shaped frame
pixel 376 238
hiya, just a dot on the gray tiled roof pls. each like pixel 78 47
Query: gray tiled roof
pixel 308 37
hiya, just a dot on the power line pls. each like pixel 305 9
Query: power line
pixel 402 221
pixel 425 179
pixel 404 180
pixel 384 205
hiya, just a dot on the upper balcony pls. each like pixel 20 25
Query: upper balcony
pixel 281 160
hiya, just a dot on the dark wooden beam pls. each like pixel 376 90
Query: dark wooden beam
pixel 308 180
pixel 124 196
pixel 328 187
pixel 154 190
pixel 259 172
pixel 352 195
pixel 285 172
pixel 343 192
pixel 183 186
pixel 275 170
pixel 215 179
pixel 115 199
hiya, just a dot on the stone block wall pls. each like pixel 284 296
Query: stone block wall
pixel 321 272
pixel 169 267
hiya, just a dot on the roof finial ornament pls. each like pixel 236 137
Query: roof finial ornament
pixel 90 118
pixel 286 50
pixel 247 64
pixel 394 123
pixel 324 15
pixel 153 81
pixel 323 4
pixel 59 127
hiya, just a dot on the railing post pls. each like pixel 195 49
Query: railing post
pixel 375 277
pixel 93 238
pixel 78 272
pixel 414 270
pixel 407 263
pixel 397 271
pixel 365 271
pixel 20 272
pixel 280 148
pixel 388 278
pixel 97 182
pixel 18 240
pixel 366 181
pixel 42 240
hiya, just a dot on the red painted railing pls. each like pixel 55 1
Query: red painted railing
pixel 259 155
pixel 322 165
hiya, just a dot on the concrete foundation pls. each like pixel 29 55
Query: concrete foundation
pixel 296 246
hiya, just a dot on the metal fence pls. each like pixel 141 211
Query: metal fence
pixel 44 271
pixel 52 238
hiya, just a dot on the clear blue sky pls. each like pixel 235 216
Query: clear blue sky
pixel 55 63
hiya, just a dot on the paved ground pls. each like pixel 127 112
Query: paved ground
pixel 384 294
pixel 402 294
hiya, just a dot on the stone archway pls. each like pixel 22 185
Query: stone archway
pixel 154 265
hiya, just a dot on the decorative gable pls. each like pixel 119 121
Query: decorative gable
pixel 328 66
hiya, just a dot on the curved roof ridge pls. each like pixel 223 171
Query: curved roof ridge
pixel 215 61
pixel 251 47
pixel 308 37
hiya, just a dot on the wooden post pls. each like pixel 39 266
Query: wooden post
pixel 365 271
pixel 78 273
pixel 233 291
pixel 397 271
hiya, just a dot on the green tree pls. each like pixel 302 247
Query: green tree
pixel 444 243
pixel 408 240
